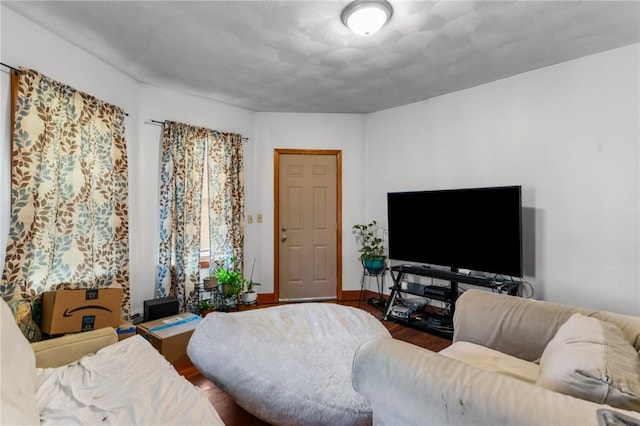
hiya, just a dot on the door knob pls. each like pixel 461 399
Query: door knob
pixel 284 229
pixel 284 238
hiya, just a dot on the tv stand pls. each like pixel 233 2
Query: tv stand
pixel 440 323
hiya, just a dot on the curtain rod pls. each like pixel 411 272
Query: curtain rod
pixel 9 66
pixel 162 122
pixel 17 70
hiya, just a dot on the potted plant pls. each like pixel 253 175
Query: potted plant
pixel 371 246
pixel 250 296
pixel 204 307
pixel 211 282
pixel 231 282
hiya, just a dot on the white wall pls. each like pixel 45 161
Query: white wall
pixel 569 134
pixel 29 45
pixel 307 131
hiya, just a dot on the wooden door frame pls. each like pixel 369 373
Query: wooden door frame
pixel 276 216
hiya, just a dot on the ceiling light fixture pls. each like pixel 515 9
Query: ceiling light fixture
pixel 365 17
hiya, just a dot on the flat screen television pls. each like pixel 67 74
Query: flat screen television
pixel 479 229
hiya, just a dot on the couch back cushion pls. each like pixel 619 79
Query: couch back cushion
pixel 592 360
pixel 523 327
pixel 17 374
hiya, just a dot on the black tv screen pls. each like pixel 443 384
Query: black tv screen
pixel 478 228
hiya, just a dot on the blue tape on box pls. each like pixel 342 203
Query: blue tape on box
pixel 131 329
pixel 174 323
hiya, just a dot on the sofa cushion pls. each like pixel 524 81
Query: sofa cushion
pixel 592 360
pixel 18 374
pixel 491 360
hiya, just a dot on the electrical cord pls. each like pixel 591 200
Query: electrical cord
pixel 527 284
pixel 506 283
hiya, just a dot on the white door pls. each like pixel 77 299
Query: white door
pixel 307 226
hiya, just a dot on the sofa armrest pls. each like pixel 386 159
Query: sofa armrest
pixel 64 350
pixel 409 385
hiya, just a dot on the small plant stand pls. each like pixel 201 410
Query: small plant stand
pixel 378 302
pixel 214 295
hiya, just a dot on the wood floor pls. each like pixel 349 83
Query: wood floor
pixel 233 415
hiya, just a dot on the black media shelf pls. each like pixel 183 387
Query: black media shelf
pixel 435 323
pixel 438 324
pixel 427 271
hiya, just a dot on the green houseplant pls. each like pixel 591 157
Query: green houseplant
pixel 371 249
pixel 250 296
pixel 205 306
pixel 231 282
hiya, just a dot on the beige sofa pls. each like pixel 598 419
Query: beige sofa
pixel 91 378
pixel 513 361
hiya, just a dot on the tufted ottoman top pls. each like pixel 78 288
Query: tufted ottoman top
pixel 288 364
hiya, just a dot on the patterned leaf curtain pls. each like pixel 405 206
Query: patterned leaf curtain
pixel 226 200
pixel 69 195
pixel 184 150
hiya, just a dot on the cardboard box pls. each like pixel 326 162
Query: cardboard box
pixel 170 335
pixel 72 311
pixel 125 330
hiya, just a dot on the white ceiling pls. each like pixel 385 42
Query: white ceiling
pixel 297 56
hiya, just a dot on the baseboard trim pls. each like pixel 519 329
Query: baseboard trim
pixel 350 295
pixel 347 296
pixel 354 295
pixel 266 298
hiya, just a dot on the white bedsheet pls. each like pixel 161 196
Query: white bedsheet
pixel 128 383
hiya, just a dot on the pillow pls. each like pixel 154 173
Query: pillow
pixel 17 374
pixel 592 360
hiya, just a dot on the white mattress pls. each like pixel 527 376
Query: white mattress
pixel 128 383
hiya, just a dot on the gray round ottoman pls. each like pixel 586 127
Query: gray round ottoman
pixel 290 364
